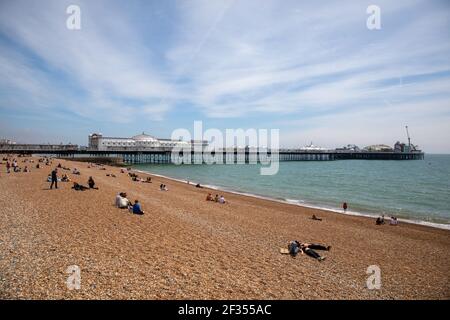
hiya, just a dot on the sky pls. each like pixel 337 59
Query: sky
pixel 313 70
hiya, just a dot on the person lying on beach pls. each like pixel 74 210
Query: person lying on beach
pixel 296 247
pixel 121 201
pixel 222 199
pixel 316 218
pixel 79 187
pixel 209 197
pixel 137 208
pixel 76 171
pixel 91 184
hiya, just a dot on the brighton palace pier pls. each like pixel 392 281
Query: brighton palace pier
pixel 144 148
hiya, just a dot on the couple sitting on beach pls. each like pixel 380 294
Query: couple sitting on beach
pixel 123 203
pixel 380 221
pixel 218 199
pixel 296 247
pixel 79 187
pixel 163 187
pixel 136 178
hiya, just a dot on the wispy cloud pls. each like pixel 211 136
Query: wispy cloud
pixel 228 60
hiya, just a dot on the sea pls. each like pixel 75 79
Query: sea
pixel 417 191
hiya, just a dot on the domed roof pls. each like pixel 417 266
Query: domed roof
pixel 144 137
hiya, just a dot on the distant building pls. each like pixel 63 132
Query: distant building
pixel 7 141
pixel 140 142
pixel 379 148
pixel 349 147
pixel 403 147
pixel 312 147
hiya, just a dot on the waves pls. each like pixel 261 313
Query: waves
pixel 296 202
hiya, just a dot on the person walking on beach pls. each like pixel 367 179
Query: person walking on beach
pixel 344 206
pixel 54 179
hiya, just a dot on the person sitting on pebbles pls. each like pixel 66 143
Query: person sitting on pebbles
pixel 122 202
pixel 91 184
pixel 79 187
pixel 137 208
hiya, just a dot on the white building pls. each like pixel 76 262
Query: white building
pixel 139 142
pixel 312 147
pixel 7 141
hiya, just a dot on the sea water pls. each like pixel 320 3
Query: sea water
pixel 417 190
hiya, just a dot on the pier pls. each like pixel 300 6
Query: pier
pixel 164 155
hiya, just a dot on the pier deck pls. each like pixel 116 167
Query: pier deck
pixel 164 155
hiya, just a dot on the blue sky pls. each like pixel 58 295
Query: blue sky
pixel 312 70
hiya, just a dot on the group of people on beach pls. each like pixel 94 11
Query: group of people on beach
pixel 380 221
pixel 136 178
pixel 54 179
pixel 12 165
pixel 123 203
pixel 217 198
pixel 294 247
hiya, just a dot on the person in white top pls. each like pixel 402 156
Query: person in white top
pixel 121 201
pixel 222 199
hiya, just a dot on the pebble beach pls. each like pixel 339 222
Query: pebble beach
pixel 185 247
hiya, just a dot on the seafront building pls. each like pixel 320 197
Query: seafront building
pixel 140 142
